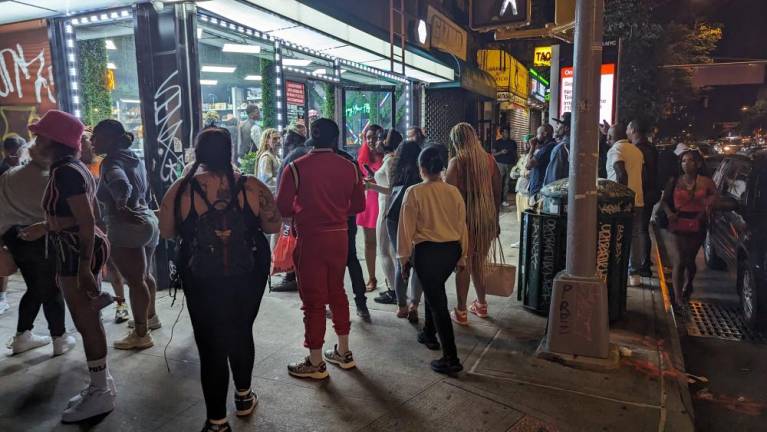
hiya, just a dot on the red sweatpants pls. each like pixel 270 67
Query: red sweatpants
pixel 320 260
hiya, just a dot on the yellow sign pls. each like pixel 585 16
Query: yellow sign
pixel 510 75
pixel 542 56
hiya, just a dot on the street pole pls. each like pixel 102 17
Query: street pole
pixel 578 317
pixel 554 83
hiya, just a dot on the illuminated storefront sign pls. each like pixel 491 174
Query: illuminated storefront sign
pixel 607 92
pixel 542 56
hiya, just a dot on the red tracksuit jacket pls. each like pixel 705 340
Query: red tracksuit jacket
pixel 329 190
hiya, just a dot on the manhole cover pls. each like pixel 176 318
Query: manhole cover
pixel 720 321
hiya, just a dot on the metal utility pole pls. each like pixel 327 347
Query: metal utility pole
pixel 578 318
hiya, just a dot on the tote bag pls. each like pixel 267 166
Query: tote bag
pixel 499 276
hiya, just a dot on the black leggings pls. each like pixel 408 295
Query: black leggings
pixel 683 273
pixel 39 274
pixel 223 310
pixel 433 264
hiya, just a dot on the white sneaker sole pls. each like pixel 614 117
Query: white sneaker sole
pixel 29 348
pixel 312 375
pixel 342 365
pixel 126 347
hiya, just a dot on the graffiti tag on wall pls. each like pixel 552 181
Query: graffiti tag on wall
pixel 16 71
pixel 167 119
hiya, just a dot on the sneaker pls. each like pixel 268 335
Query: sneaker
pixel 430 341
pixel 210 427
pixel 645 273
pixel 92 402
pixel 459 317
pixel 505 204
pixel 363 313
pixel 478 309
pixel 306 369
pixel 121 313
pixel 446 366
pixel 26 341
pixel 345 361
pixel 245 404
pixel 635 281
pixel 76 399
pixel 286 285
pixel 134 341
pixel 62 344
pixel 515 245
pixel 388 297
pixel 4 306
pixel 153 323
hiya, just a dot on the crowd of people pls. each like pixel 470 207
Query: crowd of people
pixel 672 188
pixel 81 208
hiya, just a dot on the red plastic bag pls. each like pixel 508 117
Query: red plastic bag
pixel 282 256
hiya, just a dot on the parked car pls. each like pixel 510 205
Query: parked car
pixel 737 235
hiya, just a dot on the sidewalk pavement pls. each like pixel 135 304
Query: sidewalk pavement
pixel 504 386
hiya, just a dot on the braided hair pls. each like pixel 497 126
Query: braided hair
pixel 481 217
pixel 212 148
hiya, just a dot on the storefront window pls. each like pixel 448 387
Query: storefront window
pixel 314 74
pixel 237 81
pixel 362 108
pixel 108 77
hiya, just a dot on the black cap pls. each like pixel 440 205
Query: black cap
pixel 324 133
pixel 566 118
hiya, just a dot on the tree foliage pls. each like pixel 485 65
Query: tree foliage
pixel 648 87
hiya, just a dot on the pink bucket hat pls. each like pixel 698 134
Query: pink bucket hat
pixel 61 127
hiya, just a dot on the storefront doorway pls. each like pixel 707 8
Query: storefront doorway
pixel 364 106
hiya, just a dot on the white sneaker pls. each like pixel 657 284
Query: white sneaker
pixel 134 341
pixel 76 399
pixel 505 204
pixel 635 281
pixel 4 306
pixel 27 341
pixel 62 344
pixel 515 245
pixel 93 401
pixel 153 323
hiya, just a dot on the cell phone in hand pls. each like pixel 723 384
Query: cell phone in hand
pixel 369 170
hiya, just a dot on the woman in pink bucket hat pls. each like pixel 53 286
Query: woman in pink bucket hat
pixel 81 250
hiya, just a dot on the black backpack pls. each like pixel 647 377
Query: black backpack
pixel 223 244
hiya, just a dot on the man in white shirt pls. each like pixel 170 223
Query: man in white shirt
pixel 624 165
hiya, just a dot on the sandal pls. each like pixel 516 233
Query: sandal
pixel 402 312
pixel 478 309
pixel 459 317
pixel 412 314
pixel 372 285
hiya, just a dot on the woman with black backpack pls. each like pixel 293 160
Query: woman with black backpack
pixel 220 218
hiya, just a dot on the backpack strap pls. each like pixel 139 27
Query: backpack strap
pixel 195 186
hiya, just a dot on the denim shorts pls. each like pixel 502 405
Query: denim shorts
pixel 124 234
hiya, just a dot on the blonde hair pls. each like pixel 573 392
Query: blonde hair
pixel 481 212
pixel 263 147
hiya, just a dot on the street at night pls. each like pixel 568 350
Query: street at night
pixel 383 215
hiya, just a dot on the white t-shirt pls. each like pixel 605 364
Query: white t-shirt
pixel 632 158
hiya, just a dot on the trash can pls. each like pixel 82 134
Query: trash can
pixel 543 241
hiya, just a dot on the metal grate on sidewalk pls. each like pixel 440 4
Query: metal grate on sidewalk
pixel 720 321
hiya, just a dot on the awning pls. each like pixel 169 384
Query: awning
pixel 468 77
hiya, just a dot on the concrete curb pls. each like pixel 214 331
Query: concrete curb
pixel 678 400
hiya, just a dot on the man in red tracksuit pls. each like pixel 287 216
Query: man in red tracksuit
pixel 320 191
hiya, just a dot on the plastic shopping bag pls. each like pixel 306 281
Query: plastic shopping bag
pixel 282 256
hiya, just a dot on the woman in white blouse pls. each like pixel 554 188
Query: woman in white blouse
pixel 432 237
